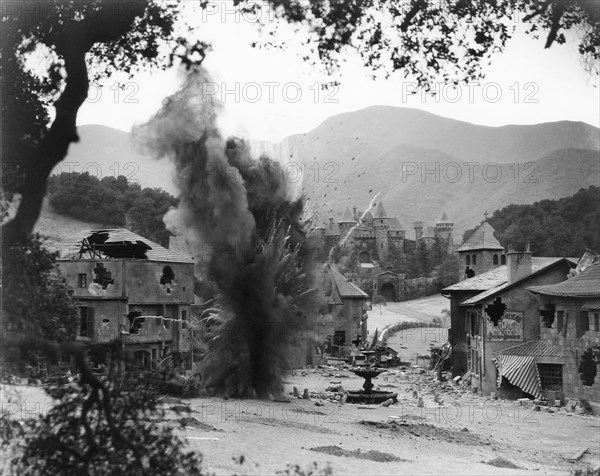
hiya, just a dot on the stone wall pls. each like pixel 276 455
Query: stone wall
pixel 569 337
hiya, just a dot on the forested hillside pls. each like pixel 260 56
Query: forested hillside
pixel 112 201
pixel 564 227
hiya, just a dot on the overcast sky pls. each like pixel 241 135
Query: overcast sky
pixel 272 94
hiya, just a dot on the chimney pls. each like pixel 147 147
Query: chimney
pixel 518 263
pixel 355 217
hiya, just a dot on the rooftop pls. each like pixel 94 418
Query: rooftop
pixel 584 284
pixel 482 239
pixel 345 288
pixel 117 243
pixel 498 276
pixel 380 213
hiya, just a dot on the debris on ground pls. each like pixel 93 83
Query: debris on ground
pixel 372 455
pixel 500 462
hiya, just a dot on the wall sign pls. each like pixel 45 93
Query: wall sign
pixel 509 328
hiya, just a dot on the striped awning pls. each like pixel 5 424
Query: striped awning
pixel 521 371
pixel 591 305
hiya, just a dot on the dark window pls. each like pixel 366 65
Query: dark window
pixel 503 259
pixel 584 321
pixel 595 320
pixel 495 259
pixel 184 315
pixel 587 367
pixel 135 322
pixel 547 314
pixel 468 260
pixel 473 323
pixel 82 280
pixel 339 338
pixel 474 258
pixel 551 376
pixel 86 322
pixel 560 317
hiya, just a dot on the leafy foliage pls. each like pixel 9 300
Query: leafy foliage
pixel 35 296
pixel 564 227
pixel 112 201
pixel 99 427
pixel 429 41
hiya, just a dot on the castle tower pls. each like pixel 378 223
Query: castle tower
pixel 444 228
pixel 381 223
pixel 418 230
pixel 480 252
pixel 346 224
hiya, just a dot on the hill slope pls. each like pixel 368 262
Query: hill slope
pixel 422 163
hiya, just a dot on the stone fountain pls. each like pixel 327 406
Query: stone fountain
pixel 368 395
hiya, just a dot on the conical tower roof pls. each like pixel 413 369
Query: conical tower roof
pixel 347 217
pixel 482 239
pixel 380 213
pixel 443 219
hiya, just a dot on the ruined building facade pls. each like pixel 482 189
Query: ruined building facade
pixel 374 236
pixel 133 290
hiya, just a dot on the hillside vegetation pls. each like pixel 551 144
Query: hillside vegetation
pixel 564 227
pixel 112 202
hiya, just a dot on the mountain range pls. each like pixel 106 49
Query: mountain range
pixel 420 164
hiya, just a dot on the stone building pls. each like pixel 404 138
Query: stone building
pixel 133 290
pixel 374 235
pixel 570 330
pixel 347 306
pixel 480 252
pixel 493 311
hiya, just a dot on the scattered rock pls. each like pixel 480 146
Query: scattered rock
pixel 387 403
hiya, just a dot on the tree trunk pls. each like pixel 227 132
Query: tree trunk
pixel 53 148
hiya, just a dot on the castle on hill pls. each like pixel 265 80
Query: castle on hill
pixel 375 236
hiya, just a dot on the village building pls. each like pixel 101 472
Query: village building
pixel 570 330
pixel 133 290
pixel 480 252
pixel 347 312
pixel 493 311
pixel 375 235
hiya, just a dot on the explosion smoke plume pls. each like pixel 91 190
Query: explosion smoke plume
pixel 246 210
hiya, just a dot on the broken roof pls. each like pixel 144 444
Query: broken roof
pixel 119 243
pixel 482 239
pixel 584 284
pixel 498 276
pixel 345 288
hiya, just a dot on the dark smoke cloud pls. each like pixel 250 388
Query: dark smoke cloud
pixel 247 210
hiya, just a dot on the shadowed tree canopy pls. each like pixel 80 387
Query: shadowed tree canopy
pixel 50 51
pixel 449 40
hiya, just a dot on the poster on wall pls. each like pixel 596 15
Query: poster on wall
pixel 509 328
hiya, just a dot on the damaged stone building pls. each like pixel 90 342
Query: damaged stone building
pixel 570 329
pixel 492 312
pixel 133 290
